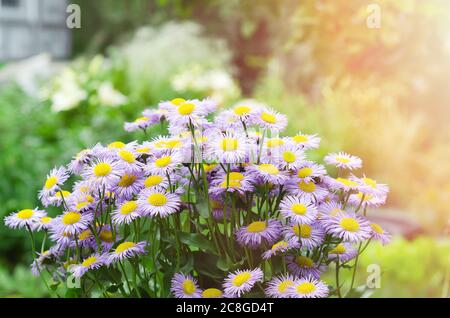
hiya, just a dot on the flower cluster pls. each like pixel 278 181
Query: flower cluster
pixel 227 188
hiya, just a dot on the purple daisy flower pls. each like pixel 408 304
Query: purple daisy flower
pixel 158 202
pixel 128 186
pixel 185 286
pixel 343 160
pixel 228 147
pixel 125 213
pixel 307 190
pixel 142 122
pixel 348 226
pixel 302 266
pixel 259 232
pixel 308 287
pixel 212 293
pixel 307 235
pixel 269 119
pixel 305 141
pixel 341 184
pixel 280 247
pixel 55 179
pixel 72 222
pixel 278 286
pixel 366 200
pixel 290 156
pixel 105 173
pixel 165 162
pixel 242 281
pixel 298 210
pixel 24 218
pixel 78 162
pixel 126 250
pixel 43 223
pixel 235 182
pixel 310 170
pixel 267 173
pixel 90 263
pixel 379 234
pixel 343 252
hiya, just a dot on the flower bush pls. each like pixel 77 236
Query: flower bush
pixel 221 206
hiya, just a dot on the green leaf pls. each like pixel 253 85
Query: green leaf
pixel 205 264
pixel 199 241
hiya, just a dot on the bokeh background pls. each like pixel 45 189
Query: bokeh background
pixel 379 93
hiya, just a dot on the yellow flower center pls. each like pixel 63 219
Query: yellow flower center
pixel 46 219
pixel 211 293
pixel 342 159
pixel 274 142
pixel 268 168
pixel 300 138
pixel 163 161
pixel 209 167
pixel 366 196
pixel 307 186
pixel 25 214
pixel 85 235
pixel 64 194
pixel 168 144
pixel 141 120
pixel 299 209
pixel 377 228
pixel 71 218
pixel 303 230
pixel 304 261
pixel 236 176
pixel 89 261
pixel 81 205
pixel 116 145
pixel 189 287
pixel 102 169
pixel 241 278
pixel 178 101
pixel 229 144
pixel 124 246
pixel 306 288
pixel 335 211
pixel 157 199
pixel 51 182
pixel 339 249
pixel 370 182
pixel 347 182
pixel 143 149
pixel 242 110
pixel 289 156
pixel 350 224
pixel 216 204
pixel 153 181
pixel 279 244
pixel 186 109
pixel 127 180
pixel 231 184
pixel 256 227
pixel 284 285
pixel 128 207
pixel 106 236
pixel 268 118
pixel 127 156
pixel 304 172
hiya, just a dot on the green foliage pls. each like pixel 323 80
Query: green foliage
pixel 20 283
pixel 418 268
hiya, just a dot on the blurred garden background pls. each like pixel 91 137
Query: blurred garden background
pixel 381 93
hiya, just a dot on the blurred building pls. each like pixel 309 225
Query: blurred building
pixel 30 27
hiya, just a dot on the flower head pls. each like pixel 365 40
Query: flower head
pixel 185 286
pixel 242 281
pixel 258 232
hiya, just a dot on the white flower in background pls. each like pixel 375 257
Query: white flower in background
pixel 108 96
pixel 69 94
pixel 216 83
